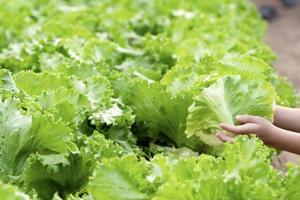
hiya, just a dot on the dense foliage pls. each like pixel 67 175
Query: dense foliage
pixel 121 100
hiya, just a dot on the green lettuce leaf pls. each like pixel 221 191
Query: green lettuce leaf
pixel 9 192
pixel 7 82
pixel 286 93
pixel 65 104
pixel 159 114
pixel 247 166
pixel 223 101
pixel 34 83
pixel 291 182
pixel 68 174
pixel 114 181
pixel 243 171
pixel 23 134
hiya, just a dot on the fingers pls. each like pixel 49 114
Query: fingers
pixel 240 129
pixel 243 119
pixel 224 138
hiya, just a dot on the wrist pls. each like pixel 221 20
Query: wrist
pixel 277 114
pixel 272 137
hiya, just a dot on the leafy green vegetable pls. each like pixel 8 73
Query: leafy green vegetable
pixel 232 177
pixel 223 101
pixel 286 93
pixel 9 192
pixel 291 182
pixel 22 135
pixel 157 112
pixel 114 181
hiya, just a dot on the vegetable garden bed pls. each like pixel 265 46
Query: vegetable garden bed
pixel 121 100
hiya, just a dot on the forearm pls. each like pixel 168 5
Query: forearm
pixel 286 140
pixel 287 118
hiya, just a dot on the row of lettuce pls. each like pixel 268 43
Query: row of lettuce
pixel 121 100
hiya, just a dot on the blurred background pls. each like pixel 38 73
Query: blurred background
pixel 284 35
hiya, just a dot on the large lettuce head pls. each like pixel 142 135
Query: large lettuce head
pixel 228 97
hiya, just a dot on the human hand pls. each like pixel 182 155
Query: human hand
pixel 259 126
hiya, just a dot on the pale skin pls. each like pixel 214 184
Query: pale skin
pixel 283 134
